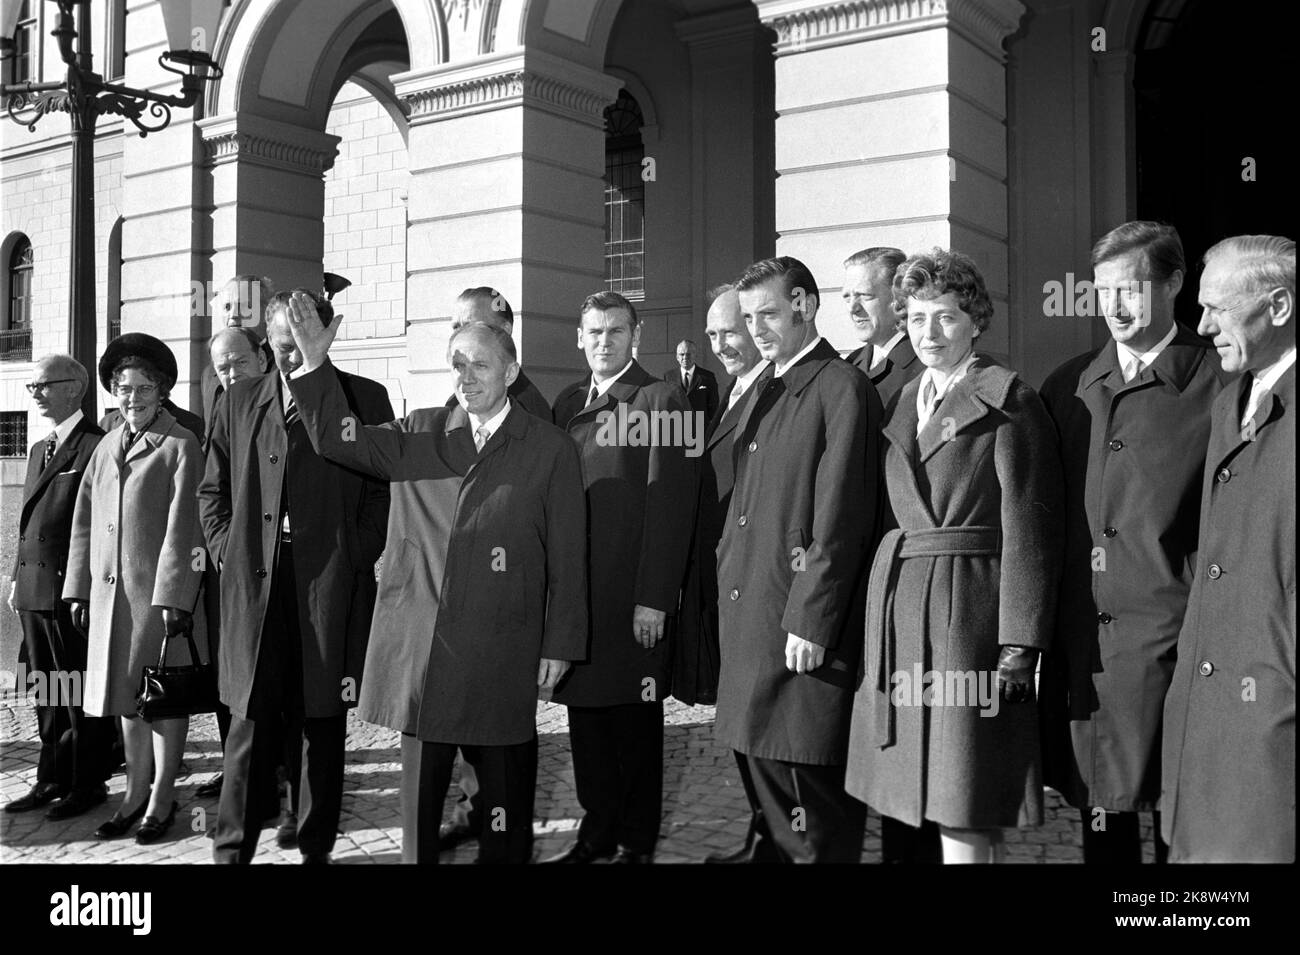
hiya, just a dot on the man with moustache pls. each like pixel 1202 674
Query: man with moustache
pixel 1134 420
pixel 1228 782
pixel 696 651
pixel 479 605
pixel 639 512
pixel 295 538
pixel 886 357
pixel 485 304
pixel 74 751
pixel 698 384
pixel 792 552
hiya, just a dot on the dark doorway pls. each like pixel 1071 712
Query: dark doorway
pixel 1214 87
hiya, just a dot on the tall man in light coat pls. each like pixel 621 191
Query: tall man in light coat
pixel 479 605
pixel 296 539
pixel 639 507
pixel 1228 782
pixel 74 754
pixel 792 552
pixel 1133 419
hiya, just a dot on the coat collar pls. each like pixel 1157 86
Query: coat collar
pixel 1227 436
pixel 726 419
pixel 985 387
pixel 150 439
pixel 623 390
pixel 1174 367
pixel 801 374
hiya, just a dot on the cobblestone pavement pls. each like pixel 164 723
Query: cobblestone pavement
pixel 704 804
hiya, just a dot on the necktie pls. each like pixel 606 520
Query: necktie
pixel 290 414
pixel 686 381
pixel 51 443
pixel 736 395
pixel 929 395
pixel 595 393
pixel 481 437
pixel 1257 392
pixel 1133 368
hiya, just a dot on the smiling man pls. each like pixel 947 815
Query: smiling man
pixel 1228 791
pixel 792 550
pixel 886 356
pixel 1130 537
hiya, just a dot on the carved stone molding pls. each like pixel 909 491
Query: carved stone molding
pixel 267 143
pixel 802 25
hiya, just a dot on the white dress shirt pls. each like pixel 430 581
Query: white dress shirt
pixel 490 425
pixel 64 428
pixel 782 369
pixel 942 383
pixel 880 352
pixel 1127 355
pixel 1264 382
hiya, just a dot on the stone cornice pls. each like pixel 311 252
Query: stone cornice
pixel 499 81
pixel 802 25
pixel 264 142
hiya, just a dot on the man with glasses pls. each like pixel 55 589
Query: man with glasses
pixel 74 748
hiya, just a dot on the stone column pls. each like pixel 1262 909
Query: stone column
pixel 507 165
pixel 891 130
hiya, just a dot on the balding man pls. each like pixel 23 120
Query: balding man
pixel 241 304
pixel 74 754
pixel 482 600
pixel 1228 792
pixel 485 304
pixel 886 356
pixel 236 354
pixel 699 384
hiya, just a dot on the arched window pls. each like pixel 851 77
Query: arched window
pixel 624 199
pixel 16 326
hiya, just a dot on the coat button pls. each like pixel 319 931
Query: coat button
pixel 40 563
pixel 274 457
pixel 41 539
pixel 753 446
pixel 22 563
pixel 110 579
pixel 261 571
pixel 1104 617
pixel 110 528
pixel 735 594
pixel 22 538
pixel 1110 532
pixel 1116 444
pixel 743 520
pixel 1224 475
pixel 1206 668
pixel 1215 571
pixel 267 517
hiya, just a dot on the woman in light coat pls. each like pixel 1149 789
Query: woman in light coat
pixel 962 594
pixel 134 569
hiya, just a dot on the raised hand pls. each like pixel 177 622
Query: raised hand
pixel 313 338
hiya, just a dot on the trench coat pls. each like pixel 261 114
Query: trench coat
pixel 136 547
pixel 972 566
pixel 898 368
pixel 640 504
pixel 484 574
pixel 695 640
pixel 338 519
pixel 1228 781
pixel 1132 457
pixel 793 547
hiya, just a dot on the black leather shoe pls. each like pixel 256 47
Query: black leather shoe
pixel 286 833
pixel 153 828
pixel 77 802
pixel 316 858
pixel 39 795
pixel 628 857
pixel 452 834
pixel 212 788
pixel 578 854
pixel 117 826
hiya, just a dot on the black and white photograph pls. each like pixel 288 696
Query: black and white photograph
pixel 685 433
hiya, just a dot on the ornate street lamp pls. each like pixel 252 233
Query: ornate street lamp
pixel 191 27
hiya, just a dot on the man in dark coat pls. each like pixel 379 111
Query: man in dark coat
pixel 296 539
pixel 485 304
pixel 696 655
pixel 698 384
pixel 1228 788
pixel 791 555
pixel 631 429
pixel 886 357
pixel 479 604
pixel 74 754
pixel 1133 419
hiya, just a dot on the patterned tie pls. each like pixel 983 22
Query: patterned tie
pixel 1132 369
pixel 290 414
pixel 51 443
pixel 481 436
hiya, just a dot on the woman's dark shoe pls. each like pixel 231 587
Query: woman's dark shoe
pixel 117 827
pixel 153 829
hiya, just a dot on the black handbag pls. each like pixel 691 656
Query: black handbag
pixel 170 692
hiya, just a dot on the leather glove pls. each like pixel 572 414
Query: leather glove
pixel 177 622
pixel 1016 673
pixel 80 612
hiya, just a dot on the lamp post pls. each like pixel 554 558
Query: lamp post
pixel 85 96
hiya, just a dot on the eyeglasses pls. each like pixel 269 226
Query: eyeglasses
pixel 140 391
pixel 35 386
